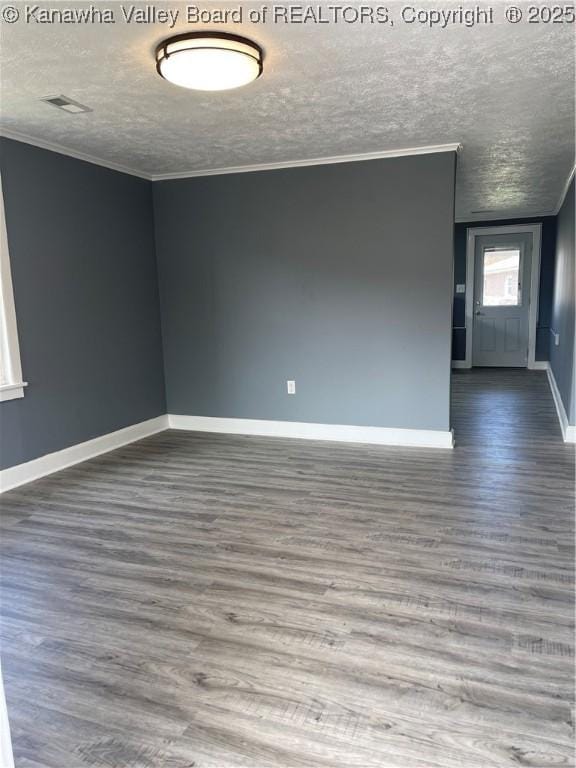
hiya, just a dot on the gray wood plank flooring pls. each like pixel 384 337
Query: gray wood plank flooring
pixel 219 601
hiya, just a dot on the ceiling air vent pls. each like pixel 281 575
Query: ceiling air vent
pixel 66 104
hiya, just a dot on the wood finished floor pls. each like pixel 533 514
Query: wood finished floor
pixel 222 601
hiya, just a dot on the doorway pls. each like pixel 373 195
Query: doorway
pixel 502 280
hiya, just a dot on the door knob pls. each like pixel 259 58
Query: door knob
pixel 478 312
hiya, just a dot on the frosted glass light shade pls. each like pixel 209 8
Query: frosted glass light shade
pixel 209 61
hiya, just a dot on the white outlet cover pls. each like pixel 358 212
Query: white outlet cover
pixel 460 288
pixel 291 387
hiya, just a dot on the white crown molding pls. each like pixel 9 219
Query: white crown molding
pixel 334 159
pixel 502 217
pixel 344 433
pixel 61 150
pixel 404 152
pixel 54 462
pixel 331 160
pixel 564 191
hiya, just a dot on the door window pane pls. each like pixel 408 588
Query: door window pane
pixel 501 278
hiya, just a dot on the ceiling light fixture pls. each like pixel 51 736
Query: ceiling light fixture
pixel 209 61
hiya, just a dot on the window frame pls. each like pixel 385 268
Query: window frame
pixel 519 294
pixel 10 363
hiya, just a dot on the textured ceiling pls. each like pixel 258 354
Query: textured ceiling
pixel 506 92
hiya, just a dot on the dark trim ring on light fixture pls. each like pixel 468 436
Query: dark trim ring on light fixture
pixel 235 44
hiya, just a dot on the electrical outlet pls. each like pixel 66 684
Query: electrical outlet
pixel 291 387
pixel 460 288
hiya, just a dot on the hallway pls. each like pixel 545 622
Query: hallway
pixel 504 407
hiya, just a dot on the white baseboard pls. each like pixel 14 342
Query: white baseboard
pixel 54 462
pixel 13 477
pixel 568 431
pixel 417 438
pixel 537 365
pixel 6 755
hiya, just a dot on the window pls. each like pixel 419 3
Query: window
pixel 510 286
pixel 501 278
pixel 11 384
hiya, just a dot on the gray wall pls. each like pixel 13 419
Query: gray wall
pixel 81 241
pixel 546 288
pixel 563 316
pixel 338 276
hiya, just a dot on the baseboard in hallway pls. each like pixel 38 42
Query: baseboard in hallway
pixel 568 430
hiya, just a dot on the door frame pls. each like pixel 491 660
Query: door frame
pixel 472 233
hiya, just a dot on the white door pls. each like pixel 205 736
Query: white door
pixel 502 268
